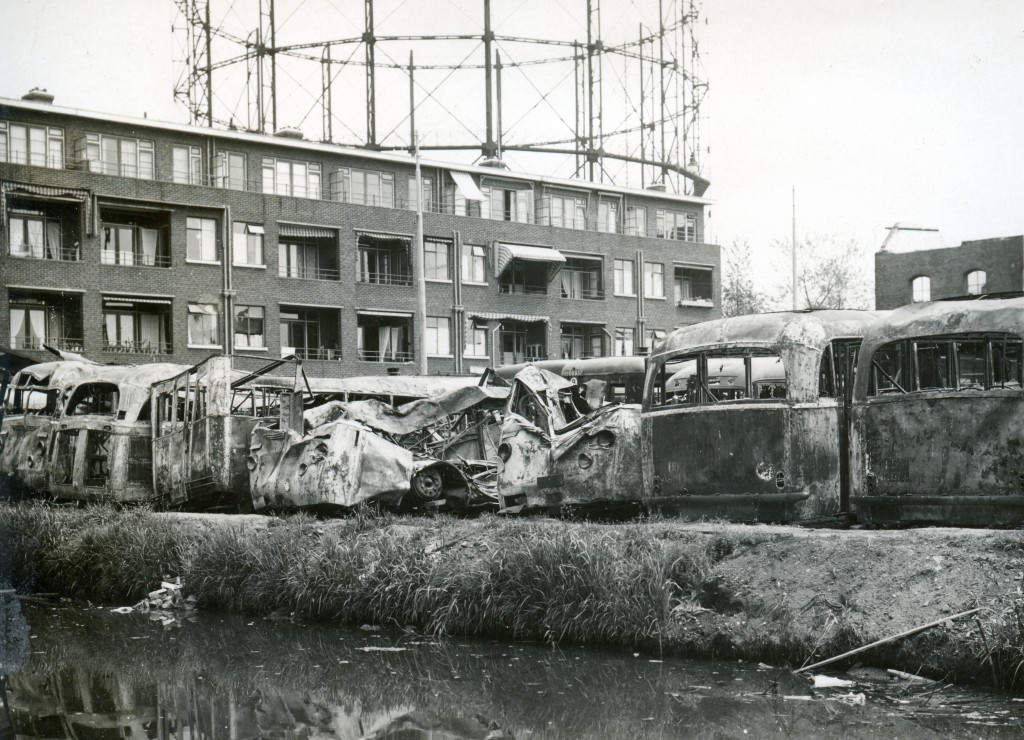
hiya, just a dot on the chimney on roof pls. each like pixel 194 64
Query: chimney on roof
pixel 658 187
pixel 289 132
pixel 38 95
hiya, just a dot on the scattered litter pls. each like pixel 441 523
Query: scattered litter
pixel 382 649
pixel 851 699
pixel 122 610
pixel 798 698
pixel 907 676
pixel 828 682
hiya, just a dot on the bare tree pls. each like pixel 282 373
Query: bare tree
pixel 739 295
pixel 831 273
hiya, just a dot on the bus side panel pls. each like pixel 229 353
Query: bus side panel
pixel 169 452
pixel 954 459
pixel 815 458
pixel 725 461
pixel 24 455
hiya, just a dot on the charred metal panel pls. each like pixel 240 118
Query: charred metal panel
pixel 939 457
pixel 341 465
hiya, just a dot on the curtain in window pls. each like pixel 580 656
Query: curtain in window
pixel 53 240
pixel 35 238
pixel 17 236
pixel 151 332
pixel 150 239
pixel 110 329
pixel 17 326
pixel 37 320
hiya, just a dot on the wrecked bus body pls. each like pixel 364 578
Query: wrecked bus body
pixel 558 452
pixel 936 433
pixel 206 417
pixel 431 453
pixel 623 376
pixel 94 444
pixel 745 418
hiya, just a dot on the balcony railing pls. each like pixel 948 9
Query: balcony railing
pixel 373 355
pixel 521 289
pixel 134 259
pixel 139 347
pixel 308 273
pixel 313 353
pixel 68 344
pixel 586 294
pixel 385 278
pixel 64 254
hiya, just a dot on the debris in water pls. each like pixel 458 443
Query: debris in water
pixel 382 649
pixel 828 682
pixel 122 610
pixel 851 699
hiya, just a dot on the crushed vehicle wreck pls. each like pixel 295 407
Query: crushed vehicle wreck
pixel 431 453
pixel 81 431
pixel 936 433
pixel 562 449
pixel 623 376
pixel 746 418
pixel 207 414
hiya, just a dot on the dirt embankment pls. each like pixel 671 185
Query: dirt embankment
pixel 771 594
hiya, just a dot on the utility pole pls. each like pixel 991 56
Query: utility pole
pixel 794 247
pixel 420 327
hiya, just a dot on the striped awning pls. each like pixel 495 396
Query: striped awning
pixel 304 232
pixel 135 299
pixel 508 252
pixel 465 185
pixel 47 191
pixel 490 316
pixel 382 235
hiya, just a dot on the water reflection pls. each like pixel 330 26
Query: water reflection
pixel 96 675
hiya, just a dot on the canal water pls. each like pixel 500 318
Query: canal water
pixel 81 671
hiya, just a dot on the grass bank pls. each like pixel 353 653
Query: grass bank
pixel 758 593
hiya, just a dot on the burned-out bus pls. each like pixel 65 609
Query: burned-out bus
pixel 937 436
pixel 205 418
pixel 81 431
pixel 745 418
pixel 623 376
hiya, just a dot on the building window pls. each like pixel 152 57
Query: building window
pixel 203 325
pixel 201 236
pixel 384 260
pixel 582 278
pixel 35 235
pixel 438 338
pixel 921 289
pixel 654 335
pixel 566 211
pixel 474 261
pixel 528 278
pixel 679 226
pixel 636 221
pixel 580 341
pixel 136 325
pixel 187 163
pixel 623 342
pixel 435 261
pixel 977 282
pixel 285 177
pixel 505 204
pixel 654 280
pixel 39 146
pixel 476 340
pixel 363 187
pixel 247 244
pixel 384 337
pixel 112 155
pixel 230 171
pixel 608 216
pixel 133 245
pixel 520 341
pixel 624 283
pixel 248 327
pixel 38 318
pixel 427 193
pixel 693 285
pixel 309 333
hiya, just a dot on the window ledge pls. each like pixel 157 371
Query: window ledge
pixel 697 304
pixel 245 264
pixel 250 349
pixel 625 295
pixel 440 357
pixel 204 346
pixel 437 280
pixel 479 285
pixel 654 297
pixel 202 262
pixel 476 357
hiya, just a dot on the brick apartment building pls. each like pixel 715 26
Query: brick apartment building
pixel 912 266
pixel 131 240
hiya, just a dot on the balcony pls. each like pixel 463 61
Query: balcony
pixel 384 259
pixel 308 272
pixel 139 347
pixel 368 355
pixel 384 336
pixel 385 278
pixel 67 344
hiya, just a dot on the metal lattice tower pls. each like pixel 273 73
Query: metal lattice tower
pixel 610 99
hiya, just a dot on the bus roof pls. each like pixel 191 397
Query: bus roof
pixel 813 329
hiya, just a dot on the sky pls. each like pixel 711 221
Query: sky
pixel 874 111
